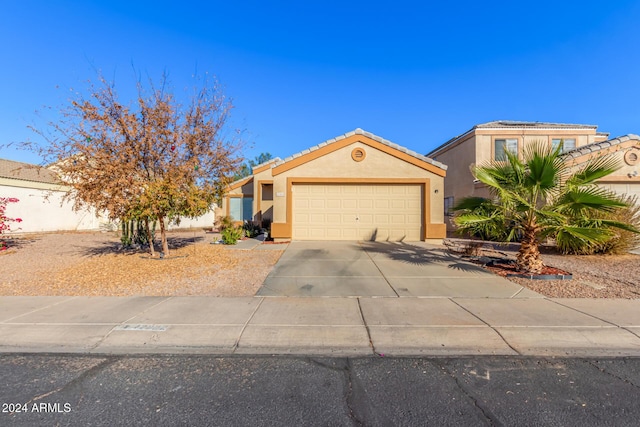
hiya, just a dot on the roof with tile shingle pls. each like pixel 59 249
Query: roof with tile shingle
pixel 27 172
pixel 598 146
pixel 370 135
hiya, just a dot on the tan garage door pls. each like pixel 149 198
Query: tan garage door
pixel 357 212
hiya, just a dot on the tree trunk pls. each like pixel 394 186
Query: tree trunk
pixel 163 237
pixel 528 258
pixel 149 237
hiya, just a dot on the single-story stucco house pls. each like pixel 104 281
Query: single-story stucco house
pixel 357 186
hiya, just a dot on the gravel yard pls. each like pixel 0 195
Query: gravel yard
pixel 594 276
pixel 90 264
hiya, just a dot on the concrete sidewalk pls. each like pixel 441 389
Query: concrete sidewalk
pixel 321 326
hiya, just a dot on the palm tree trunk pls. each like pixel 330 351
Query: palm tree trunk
pixel 528 259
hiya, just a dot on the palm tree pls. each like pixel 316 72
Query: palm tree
pixel 537 197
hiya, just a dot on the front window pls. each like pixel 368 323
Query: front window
pixel 504 145
pixel 241 208
pixel 567 144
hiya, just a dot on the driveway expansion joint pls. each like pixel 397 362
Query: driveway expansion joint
pixel 366 326
pixel 253 313
pixel 490 326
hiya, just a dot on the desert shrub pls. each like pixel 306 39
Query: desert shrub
pixel 251 229
pixel 231 235
pixel 621 241
pixel 479 218
pixel 223 223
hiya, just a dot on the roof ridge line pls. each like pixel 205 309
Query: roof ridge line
pixel 370 135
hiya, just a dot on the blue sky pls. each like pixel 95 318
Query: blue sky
pixel 416 73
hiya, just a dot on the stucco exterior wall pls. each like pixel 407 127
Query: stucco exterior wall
pixel 459 180
pixel 263 197
pixel 43 210
pixel 625 180
pixel 376 164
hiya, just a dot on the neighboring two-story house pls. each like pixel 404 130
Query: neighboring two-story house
pixel 489 141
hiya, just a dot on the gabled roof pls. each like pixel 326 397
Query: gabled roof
pixel 578 152
pixel 27 172
pixel 513 124
pixel 265 165
pixel 240 182
pixel 335 143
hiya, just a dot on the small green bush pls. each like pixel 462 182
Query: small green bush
pixel 231 235
pixel 251 229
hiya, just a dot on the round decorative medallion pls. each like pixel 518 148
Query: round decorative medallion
pixel 358 154
pixel 632 157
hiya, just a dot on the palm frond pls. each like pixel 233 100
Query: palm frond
pixel 542 166
pixel 594 170
pixel 578 200
pixel 621 225
pixel 469 219
pixel 579 239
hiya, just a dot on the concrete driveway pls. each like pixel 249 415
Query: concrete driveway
pixel 382 269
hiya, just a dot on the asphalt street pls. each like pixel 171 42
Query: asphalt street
pixel 253 391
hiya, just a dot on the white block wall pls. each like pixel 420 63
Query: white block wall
pixel 41 211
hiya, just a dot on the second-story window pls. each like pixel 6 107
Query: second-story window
pixel 504 145
pixel 567 143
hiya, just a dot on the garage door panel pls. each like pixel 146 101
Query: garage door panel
pixel 365 203
pixel 397 219
pixel 365 219
pixel 381 204
pixel 350 189
pixel 317 204
pixel 398 204
pixel 381 219
pixel 349 204
pixel 319 218
pixel 302 218
pixel 301 203
pixel 334 203
pixel 357 212
pixel 413 204
pixel 334 218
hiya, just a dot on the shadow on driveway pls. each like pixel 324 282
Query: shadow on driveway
pixel 419 256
